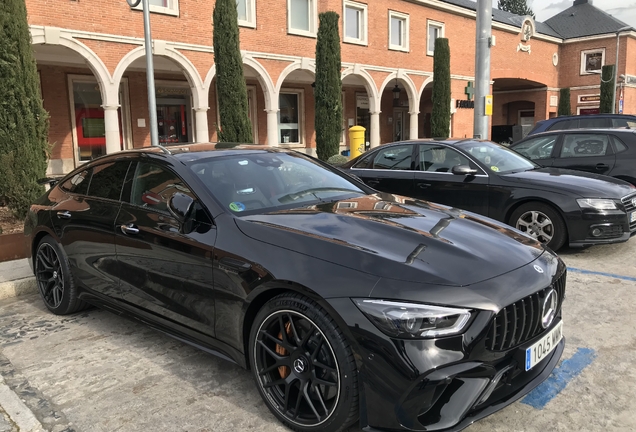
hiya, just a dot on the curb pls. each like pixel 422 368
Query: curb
pixel 18 287
pixel 19 414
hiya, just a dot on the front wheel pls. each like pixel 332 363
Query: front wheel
pixel 542 222
pixel 303 365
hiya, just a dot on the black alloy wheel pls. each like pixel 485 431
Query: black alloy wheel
pixel 54 279
pixel 48 270
pixel 295 361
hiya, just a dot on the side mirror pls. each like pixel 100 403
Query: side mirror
pixel 180 206
pixel 464 170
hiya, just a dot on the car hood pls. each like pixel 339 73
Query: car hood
pixel 581 183
pixel 398 238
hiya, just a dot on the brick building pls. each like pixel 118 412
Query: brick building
pixel 91 62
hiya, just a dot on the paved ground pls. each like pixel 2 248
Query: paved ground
pixel 95 372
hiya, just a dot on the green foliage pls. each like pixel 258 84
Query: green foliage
pixel 23 121
pixel 564 103
pixel 607 83
pixel 230 82
pixel 337 160
pixel 519 7
pixel 328 91
pixel 440 118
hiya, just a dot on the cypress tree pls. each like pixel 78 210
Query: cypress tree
pixel 607 82
pixel 440 118
pixel 230 82
pixel 23 121
pixel 328 91
pixel 519 7
pixel 564 103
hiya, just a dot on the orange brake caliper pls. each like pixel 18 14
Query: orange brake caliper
pixel 283 370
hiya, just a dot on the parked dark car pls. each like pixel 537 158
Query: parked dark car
pixel 345 303
pixel 594 121
pixel 554 205
pixel 610 152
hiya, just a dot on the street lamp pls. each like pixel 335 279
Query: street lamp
pixel 618 41
pixel 150 71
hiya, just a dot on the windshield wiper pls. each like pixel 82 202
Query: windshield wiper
pixel 294 196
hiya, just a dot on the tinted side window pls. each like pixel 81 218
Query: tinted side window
pixel 565 124
pixel 108 179
pixel 576 145
pixel 440 159
pixel 365 162
pixel 537 148
pixel 394 158
pixel 619 145
pixel 624 122
pixel 78 183
pixel 154 185
pixel 594 123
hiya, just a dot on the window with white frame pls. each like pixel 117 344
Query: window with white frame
pixel 435 30
pixel 167 7
pixel 246 13
pixel 290 116
pixel 301 17
pixel 592 61
pixel 355 22
pixel 398 31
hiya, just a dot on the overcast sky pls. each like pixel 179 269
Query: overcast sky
pixel 624 10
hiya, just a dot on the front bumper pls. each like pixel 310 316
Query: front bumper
pixel 593 228
pixel 440 384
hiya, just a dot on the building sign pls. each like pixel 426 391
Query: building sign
pixel 171 91
pixel 590 98
pixel 589 111
pixel 362 102
pixel 469 91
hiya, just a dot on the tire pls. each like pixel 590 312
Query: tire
pixel 310 354
pixel 529 217
pixel 54 279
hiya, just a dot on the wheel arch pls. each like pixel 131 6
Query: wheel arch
pixel 628 179
pixel 36 239
pixel 528 200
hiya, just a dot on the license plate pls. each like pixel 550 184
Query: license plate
pixel 544 347
pixel 632 217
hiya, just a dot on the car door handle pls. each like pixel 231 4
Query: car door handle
pixel 64 214
pixel 373 182
pixel 129 229
pixel 601 166
pixel 423 185
pixel 234 264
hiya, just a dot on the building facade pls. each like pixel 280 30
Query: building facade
pixel 91 61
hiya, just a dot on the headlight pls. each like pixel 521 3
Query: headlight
pixel 597 204
pixel 412 320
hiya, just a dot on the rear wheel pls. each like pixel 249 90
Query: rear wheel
pixel 303 365
pixel 54 279
pixel 542 222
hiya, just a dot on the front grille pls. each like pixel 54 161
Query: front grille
pixel 521 321
pixel 630 207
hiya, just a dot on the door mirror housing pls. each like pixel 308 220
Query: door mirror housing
pixel 181 206
pixel 464 170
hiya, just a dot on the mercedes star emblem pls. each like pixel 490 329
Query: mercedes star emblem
pixel 549 308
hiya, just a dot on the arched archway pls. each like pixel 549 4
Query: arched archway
pixel 362 103
pixel 518 103
pixel 400 100
pixel 426 109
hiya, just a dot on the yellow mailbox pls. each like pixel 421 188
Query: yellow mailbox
pixel 356 141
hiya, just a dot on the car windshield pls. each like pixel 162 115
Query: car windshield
pixel 262 182
pixel 497 158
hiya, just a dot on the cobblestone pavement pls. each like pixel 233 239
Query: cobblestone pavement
pixel 97 372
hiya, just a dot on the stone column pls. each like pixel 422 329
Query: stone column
pixel 111 127
pixel 413 124
pixel 272 128
pixel 375 129
pixel 202 131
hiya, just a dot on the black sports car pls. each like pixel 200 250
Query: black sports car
pixel 346 304
pixel 554 205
